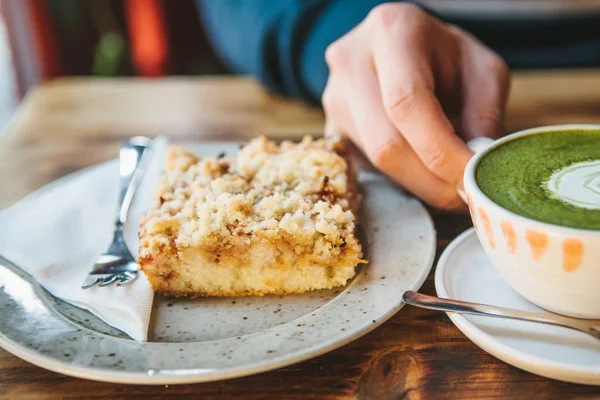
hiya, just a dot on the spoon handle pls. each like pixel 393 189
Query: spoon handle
pixel 464 307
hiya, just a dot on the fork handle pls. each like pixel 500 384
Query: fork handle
pixel 130 158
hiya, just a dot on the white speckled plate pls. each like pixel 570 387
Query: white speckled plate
pixel 465 273
pixel 211 339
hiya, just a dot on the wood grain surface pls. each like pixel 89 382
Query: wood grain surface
pixel 69 124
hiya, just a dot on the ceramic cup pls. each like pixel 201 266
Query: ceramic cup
pixel 555 267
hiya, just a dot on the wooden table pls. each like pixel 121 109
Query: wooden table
pixel 69 124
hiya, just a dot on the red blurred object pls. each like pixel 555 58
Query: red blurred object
pixel 147 32
pixel 29 27
pixel 43 34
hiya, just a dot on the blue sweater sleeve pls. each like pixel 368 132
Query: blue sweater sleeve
pixel 281 42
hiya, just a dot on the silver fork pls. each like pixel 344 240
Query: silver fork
pixel 117 265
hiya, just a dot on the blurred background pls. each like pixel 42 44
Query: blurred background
pixel 43 39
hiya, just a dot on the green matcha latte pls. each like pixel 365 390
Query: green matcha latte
pixel 551 177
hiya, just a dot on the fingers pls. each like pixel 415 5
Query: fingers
pixel 486 85
pixel 407 89
pixel 338 121
pixel 384 79
pixel 397 160
pixel 388 150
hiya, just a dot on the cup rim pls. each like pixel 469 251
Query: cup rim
pixel 472 186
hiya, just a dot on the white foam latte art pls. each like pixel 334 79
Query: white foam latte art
pixel 578 184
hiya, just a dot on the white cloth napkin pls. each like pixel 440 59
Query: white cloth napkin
pixel 57 233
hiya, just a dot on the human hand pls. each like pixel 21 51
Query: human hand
pixel 408 90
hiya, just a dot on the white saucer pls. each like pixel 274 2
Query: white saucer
pixel 465 273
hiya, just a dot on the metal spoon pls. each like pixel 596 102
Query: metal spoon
pixel 464 307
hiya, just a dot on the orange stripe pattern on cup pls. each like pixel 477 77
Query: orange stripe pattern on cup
pixel 572 254
pixel 538 243
pixel 472 210
pixel 487 226
pixel 510 235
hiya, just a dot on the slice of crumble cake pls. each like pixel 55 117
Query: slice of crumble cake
pixel 273 219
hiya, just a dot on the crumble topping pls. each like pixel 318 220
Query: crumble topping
pixel 295 192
